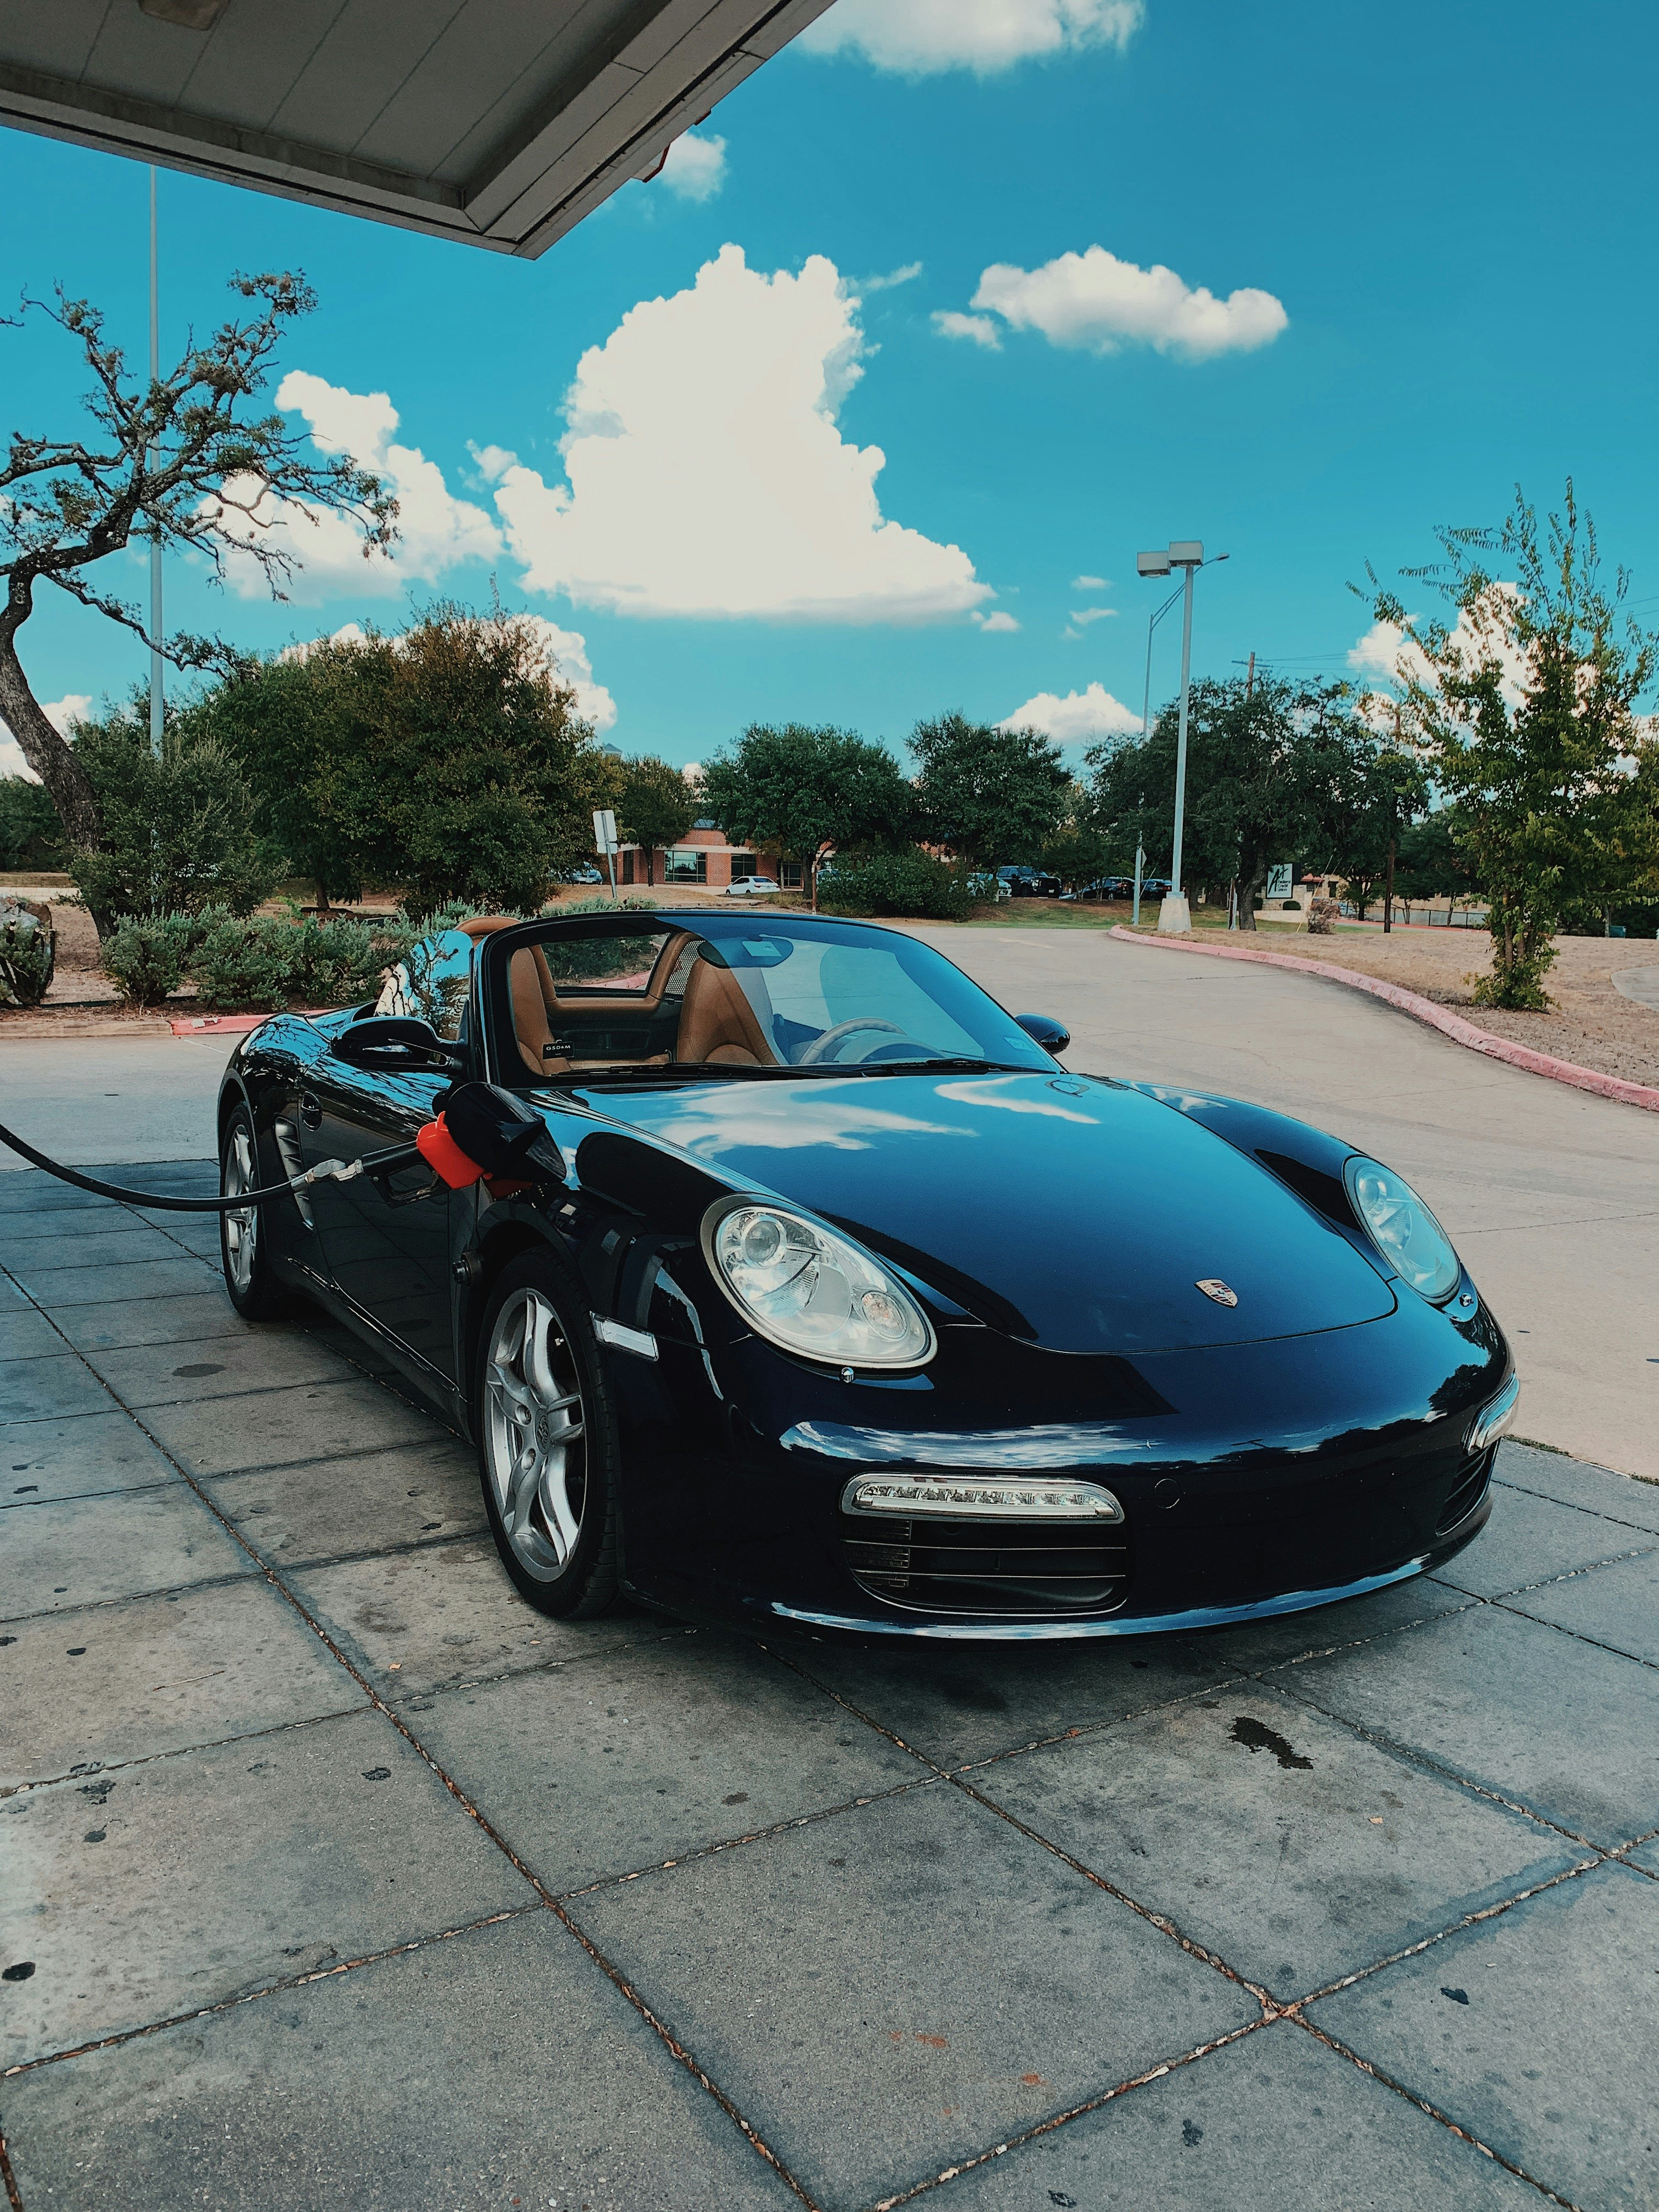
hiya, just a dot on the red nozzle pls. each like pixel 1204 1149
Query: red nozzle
pixel 441 1153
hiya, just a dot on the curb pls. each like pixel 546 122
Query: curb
pixel 1423 1010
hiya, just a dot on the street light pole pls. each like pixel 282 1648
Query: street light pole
pixel 155 689
pixel 1175 916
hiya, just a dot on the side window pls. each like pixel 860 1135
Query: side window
pixel 431 983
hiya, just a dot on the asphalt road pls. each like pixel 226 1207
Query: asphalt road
pixel 1551 1195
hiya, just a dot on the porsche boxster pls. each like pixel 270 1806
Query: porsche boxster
pixel 832 1296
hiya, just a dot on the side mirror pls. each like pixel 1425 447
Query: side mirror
pixel 397 1044
pixel 1043 1029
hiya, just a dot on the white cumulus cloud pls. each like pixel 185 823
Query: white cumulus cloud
pixel 906 275
pixel 694 168
pixel 436 530
pixel 706 475
pixel 997 624
pixel 978 329
pixel 1384 651
pixel 1083 616
pixel 1095 301
pixel 567 650
pixel 60 712
pixel 917 37
pixel 1091 584
pixel 1079 715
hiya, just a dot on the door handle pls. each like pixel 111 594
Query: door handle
pixel 311 1111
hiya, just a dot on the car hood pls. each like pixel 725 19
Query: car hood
pixel 1073 1213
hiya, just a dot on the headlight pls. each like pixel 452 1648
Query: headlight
pixel 1402 1229
pixel 812 1291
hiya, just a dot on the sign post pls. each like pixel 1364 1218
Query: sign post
pixel 604 841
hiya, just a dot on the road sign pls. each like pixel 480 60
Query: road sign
pixel 605 830
pixel 1279 881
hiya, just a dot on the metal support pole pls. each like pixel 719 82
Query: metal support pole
pixel 1176 879
pixel 155 663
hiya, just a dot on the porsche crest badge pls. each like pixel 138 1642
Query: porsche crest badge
pixel 1214 1287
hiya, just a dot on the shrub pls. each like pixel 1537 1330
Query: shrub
pixel 31 835
pixel 27 953
pixel 908 884
pixel 145 956
pixel 250 966
pixel 1322 916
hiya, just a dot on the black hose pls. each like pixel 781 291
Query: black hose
pixel 383 1163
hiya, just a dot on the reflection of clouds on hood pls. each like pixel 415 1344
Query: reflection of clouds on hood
pixel 709 1128
pixel 1054 1444
pixel 999 1091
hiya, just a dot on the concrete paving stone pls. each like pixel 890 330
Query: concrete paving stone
pixel 284 1426
pixel 893 1988
pixel 163 1278
pixel 303 1516
pixel 1537 2031
pixel 1616 1605
pixel 182 1882
pixel 1575 1482
pixel 218 1367
pixel 1275 2119
pixel 78 1457
pixel 415 1621
pixel 196 1232
pixel 82 1692
pixel 497 2066
pixel 87 1550
pixel 641 1756
pixel 1529 1539
pixel 24 1334
pixel 1647 1855
pixel 73 1246
pixel 31 1190
pixel 188 1320
pixel 1569 1731
pixel 955 1702
pixel 1356 1620
pixel 41 1389
pixel 1275 1838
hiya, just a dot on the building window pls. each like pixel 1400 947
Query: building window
pixel 626 861
pixel 789 875
pixel 742 864
pixel 688 864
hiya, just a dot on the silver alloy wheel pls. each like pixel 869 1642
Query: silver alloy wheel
pixel 241 1228
pixel 535 1447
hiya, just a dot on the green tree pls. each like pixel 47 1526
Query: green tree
pixel 180 459
pixel 809 792
pixel 1078 849
pixel 656 807
pixel 1375 787
pixel 1431 863
pixel 1525 706
pixel 290 723
pixel 31 835
pixel 178 832
pixel 991 795
pixel 1269 766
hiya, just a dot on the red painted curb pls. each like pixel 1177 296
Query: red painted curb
pixel 230 1024
pixel 1422 1010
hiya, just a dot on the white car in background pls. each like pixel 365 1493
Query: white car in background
pixel 751 887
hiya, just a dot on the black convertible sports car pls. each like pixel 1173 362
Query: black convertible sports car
pixel 829 1294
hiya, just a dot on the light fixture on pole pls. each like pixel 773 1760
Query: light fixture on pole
pixel 1187 554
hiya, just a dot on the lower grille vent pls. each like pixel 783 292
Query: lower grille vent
pixel 1468 1488
pixel 989 1568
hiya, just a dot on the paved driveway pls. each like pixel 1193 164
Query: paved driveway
pixel 330 1874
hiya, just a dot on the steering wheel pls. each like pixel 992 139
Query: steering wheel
pixel 821 1047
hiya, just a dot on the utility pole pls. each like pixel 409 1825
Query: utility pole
pixel 1174 915
pixel 155 685
pixel 1249 677
pixel 1388 888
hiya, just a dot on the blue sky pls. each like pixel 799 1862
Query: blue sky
pixel 1437 222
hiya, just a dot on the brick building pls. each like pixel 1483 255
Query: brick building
pixel 705 855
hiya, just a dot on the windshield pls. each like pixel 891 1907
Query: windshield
pixel 723 996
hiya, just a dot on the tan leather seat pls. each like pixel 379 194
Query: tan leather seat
pixel 717 1021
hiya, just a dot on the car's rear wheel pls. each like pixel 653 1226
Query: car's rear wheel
pixel 244 1247
pixel 547 1441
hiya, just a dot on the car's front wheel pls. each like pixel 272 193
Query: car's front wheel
pixel 244 1247
pixel 547 1441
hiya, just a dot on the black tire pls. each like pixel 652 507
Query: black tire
pixel 552 1504
pixel 251 1281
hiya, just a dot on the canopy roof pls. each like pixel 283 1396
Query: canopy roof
pixel 499 122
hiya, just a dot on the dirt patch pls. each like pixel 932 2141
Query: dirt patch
pixel 1590 1022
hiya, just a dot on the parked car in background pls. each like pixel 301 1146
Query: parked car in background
pixel 587 873
pixel 1029 883
pixel 987 889
pixel 755 887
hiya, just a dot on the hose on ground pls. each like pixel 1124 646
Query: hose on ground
pixel 382 1163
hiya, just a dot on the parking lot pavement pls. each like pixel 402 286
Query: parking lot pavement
pixel 333 1873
